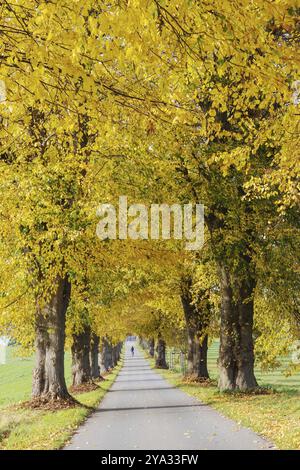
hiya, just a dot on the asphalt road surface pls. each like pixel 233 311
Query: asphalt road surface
pixel 143 411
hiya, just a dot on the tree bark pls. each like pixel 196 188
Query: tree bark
pixel 160 361
pixel 197 341
pixel 236 356
pixel 94 357
pixel 228 334
pixel 114 355
pixel 202 358
pixel 81 367
pixel 151 347
pixel 245 379
pixel 48 376
pixel 106 355
pixel 39 372
pixel 119 349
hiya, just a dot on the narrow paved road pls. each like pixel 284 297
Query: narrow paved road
pixel 143 411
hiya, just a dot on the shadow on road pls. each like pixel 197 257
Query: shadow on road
pixel 138 389
pixel 104 410
pixel 140 380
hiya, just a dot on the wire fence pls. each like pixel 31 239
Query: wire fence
pixel 177 360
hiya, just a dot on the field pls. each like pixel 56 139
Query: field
pixel 23 428
pixel 276 415
pixel 16 375
pixel 275 378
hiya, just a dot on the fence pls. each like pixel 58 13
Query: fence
pixel 177 361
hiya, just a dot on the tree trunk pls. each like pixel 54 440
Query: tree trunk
pixel 228 335
pixel 114 355
pixel 201 354
pixel 119 348
pixel 106 355
pixel 39 372
pixel 245 379
pixel 94 357
pixel 191 363
pixel 109 355
pixel 160 361
pixel 197 343
pixel 48 376
pixel 236 357
pixel 151 347
pixel 81 367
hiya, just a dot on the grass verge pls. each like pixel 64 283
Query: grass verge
pixel 276 415
pixel 24 429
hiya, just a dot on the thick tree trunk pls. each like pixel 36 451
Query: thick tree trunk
pixel 109 355
pixel 115 355
pixel 81 367
pixel 151 347
pixel 197 343
pixel 200 358
pixel 119 349
pixel 160 361
pixel 245 379
pixel 106 355
pixel 94 357
pixel 236 357
pixel 39 372
pixel 48 376
pixel 228 334
pixel 191 363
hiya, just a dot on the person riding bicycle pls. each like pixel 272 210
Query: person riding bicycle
pixel 132 350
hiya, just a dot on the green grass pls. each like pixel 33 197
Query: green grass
pixel 25 429
pixel 275 416
pixel 16 377
pixel 275 378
